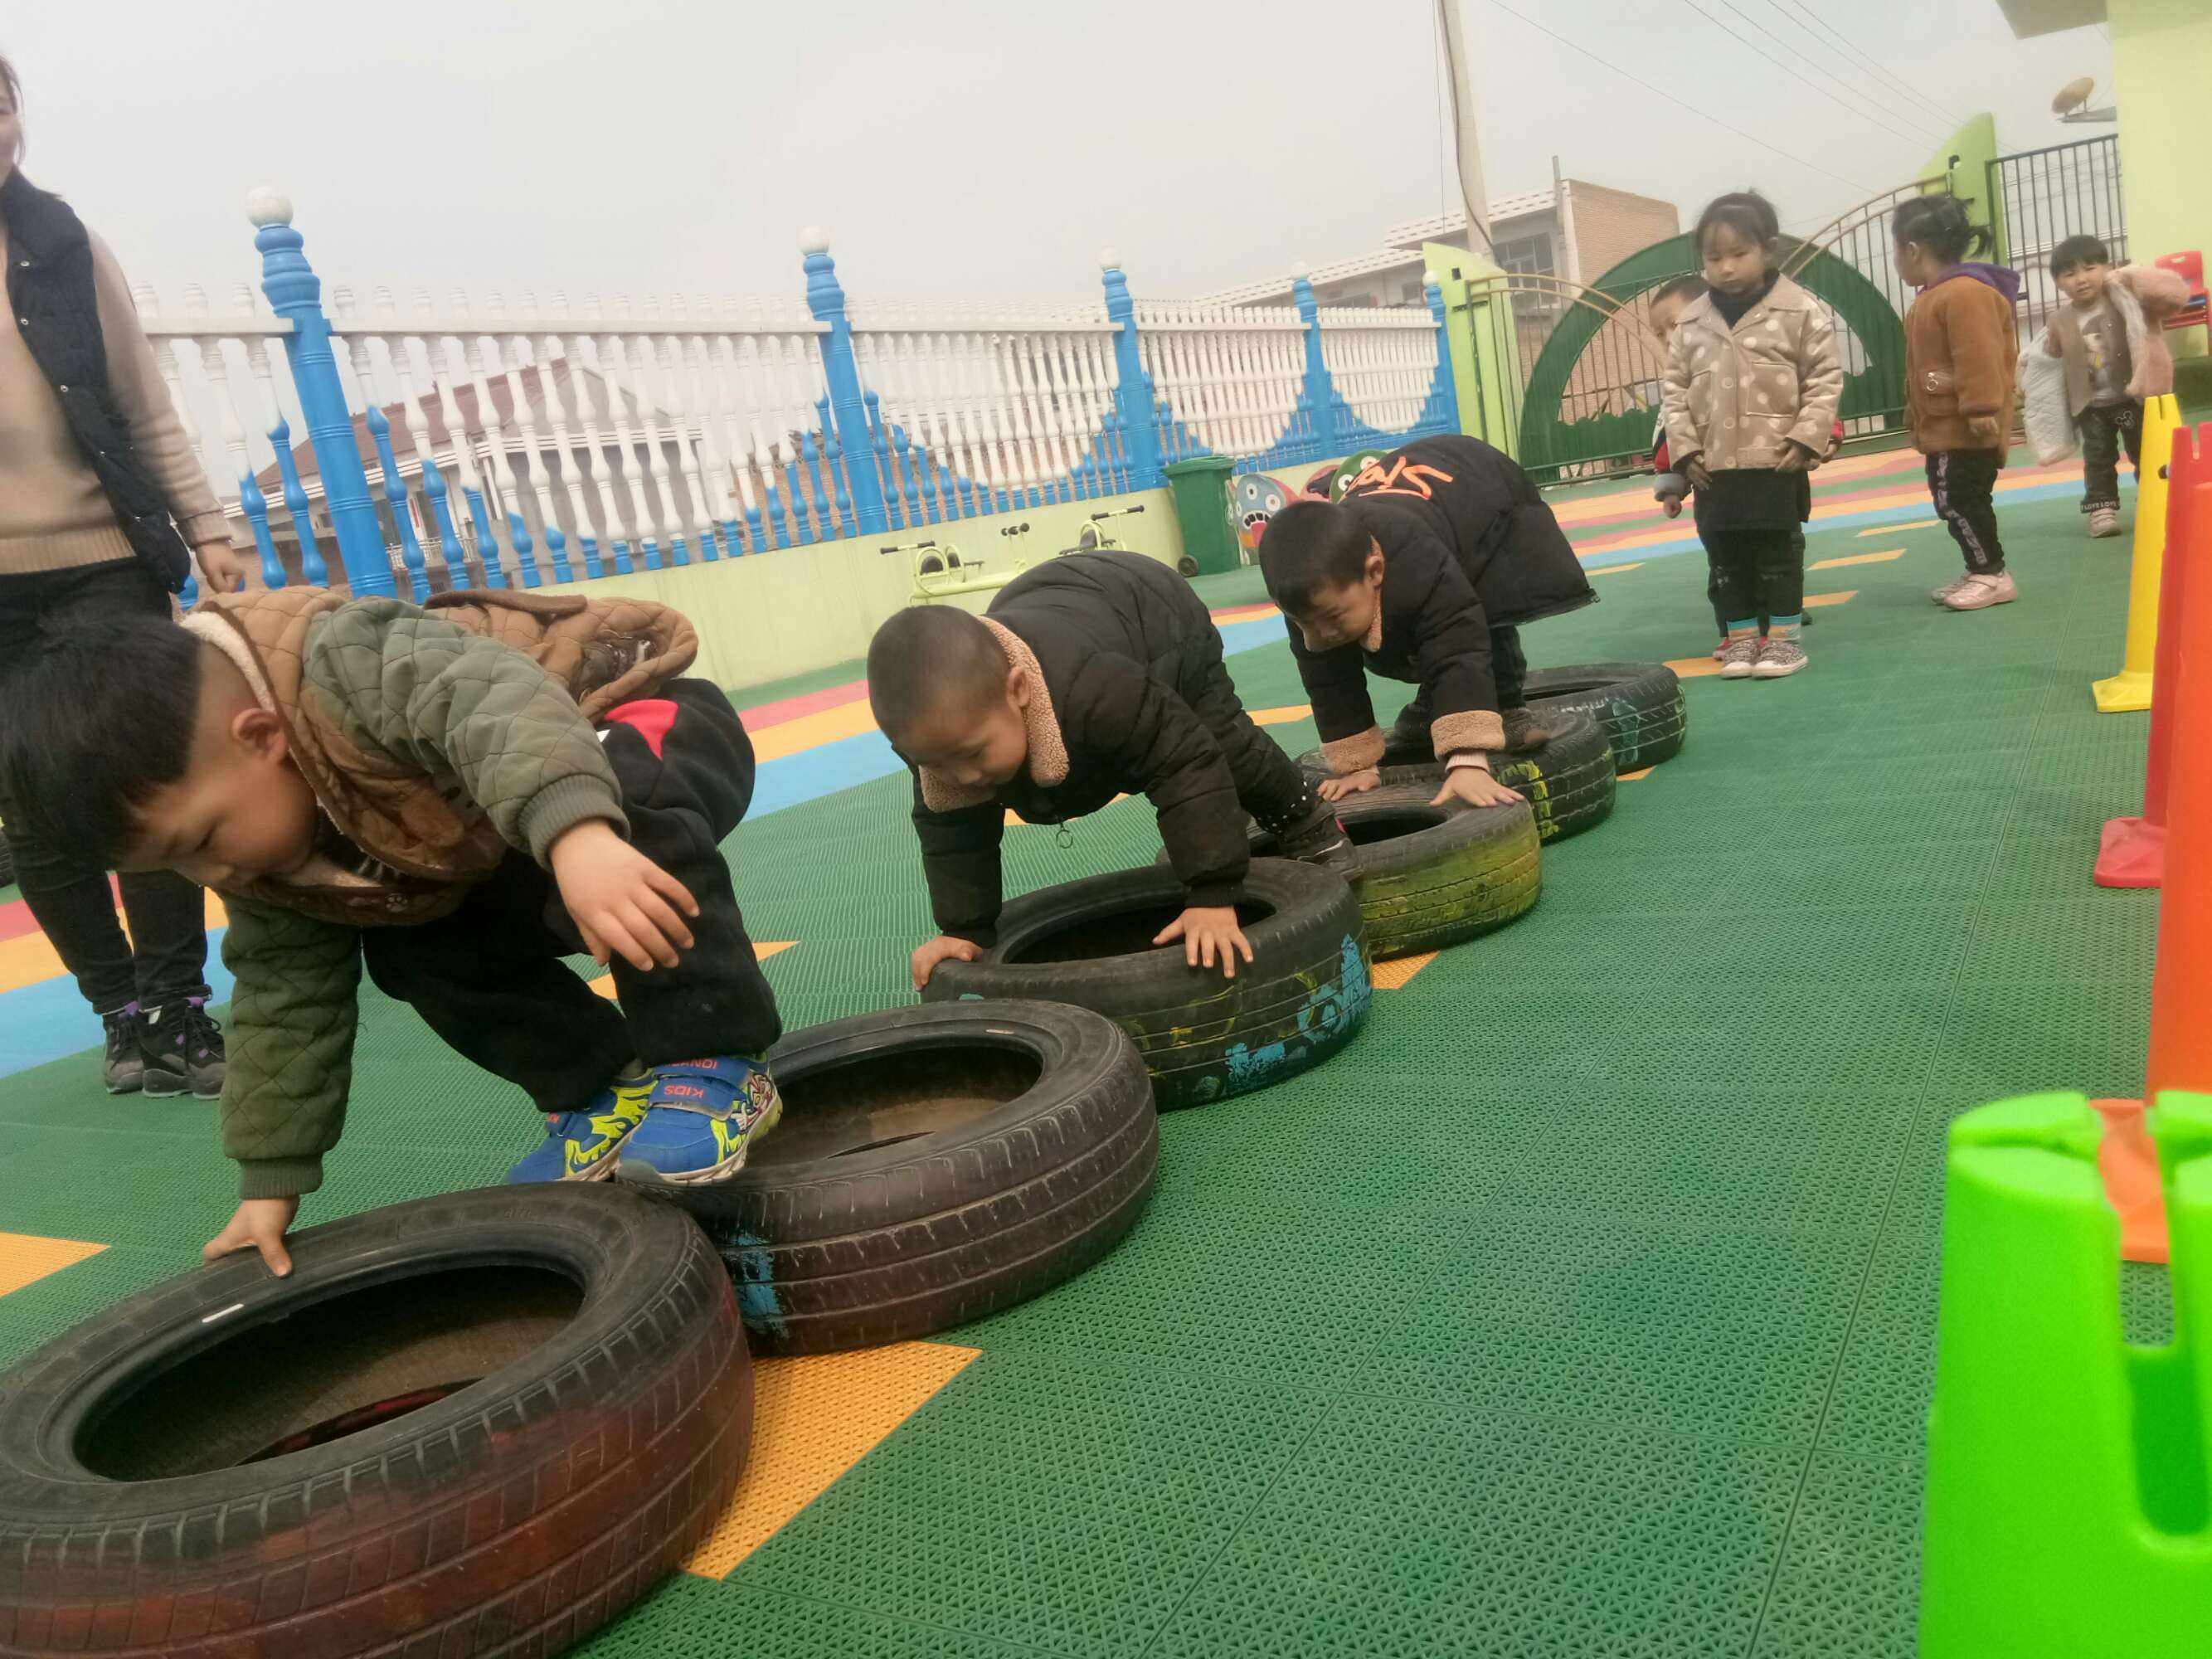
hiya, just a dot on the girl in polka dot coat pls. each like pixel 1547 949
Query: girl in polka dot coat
pixel 1752 383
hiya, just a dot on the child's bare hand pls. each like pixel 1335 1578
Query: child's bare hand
pixel 1352 783
pixel 1674 505
pixel 1982 429
pixel 622 902
pixel 1796 459
pixel 1207 931
pixel 1695 470
pixel 259 1223
pixel 942 948
pixel 1475 787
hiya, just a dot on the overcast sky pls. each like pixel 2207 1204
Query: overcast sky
pixel 956 148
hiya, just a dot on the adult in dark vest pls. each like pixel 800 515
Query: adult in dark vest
pixel 104 511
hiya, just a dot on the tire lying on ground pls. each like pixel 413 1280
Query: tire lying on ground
pixel 1202 1036
pixel 1569 782
pixel 1433 876
pixel 474 1424
pixel 933 1165
pixel 1640 704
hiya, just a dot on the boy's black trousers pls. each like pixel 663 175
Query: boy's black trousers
pixel 489 980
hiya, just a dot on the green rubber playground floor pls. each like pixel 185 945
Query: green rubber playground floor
pixel 1583 1306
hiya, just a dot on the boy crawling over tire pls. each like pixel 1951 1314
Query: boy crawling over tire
pixel 1423 572
pixel 1096 675
pixel 455 797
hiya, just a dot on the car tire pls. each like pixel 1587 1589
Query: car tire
pixel 933 1165
pixel 1640 704
pixel 1434 875
pixel 1203 1037
pixel 1568 781
pixel 230 1465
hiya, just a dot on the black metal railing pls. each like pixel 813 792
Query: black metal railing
pixel 2044 195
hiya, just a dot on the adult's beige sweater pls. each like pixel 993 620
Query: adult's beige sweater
pixel 53 514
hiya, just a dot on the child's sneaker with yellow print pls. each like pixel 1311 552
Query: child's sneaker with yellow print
pixel 703 1118
pixel 581 1146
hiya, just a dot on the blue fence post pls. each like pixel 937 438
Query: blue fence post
pixel 1442 411
pixel 1320 393
pixel 826 299
pixel 296 293
pixel 1133 395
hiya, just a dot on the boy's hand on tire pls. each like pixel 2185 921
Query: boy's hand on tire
pixel 1352 783
pixel 942 948
pixel 1208 932
pixel 1475 787
pixel 620 901
pixel 259 1223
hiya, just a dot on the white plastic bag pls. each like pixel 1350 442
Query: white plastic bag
pixel 2043 393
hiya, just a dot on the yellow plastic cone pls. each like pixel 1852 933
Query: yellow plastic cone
pixel 2130 688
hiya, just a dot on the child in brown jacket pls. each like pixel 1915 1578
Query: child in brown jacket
pixel 1960 367
pixel 1752 383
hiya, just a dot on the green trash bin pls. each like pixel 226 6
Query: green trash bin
pixel 1201 503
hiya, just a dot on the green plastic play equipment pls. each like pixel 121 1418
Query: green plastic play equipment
pixel 2068 1514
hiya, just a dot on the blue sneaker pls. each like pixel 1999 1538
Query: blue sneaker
pixel 581 1146
pixel 703 1118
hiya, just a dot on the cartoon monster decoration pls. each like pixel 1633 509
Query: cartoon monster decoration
pixel 1256 499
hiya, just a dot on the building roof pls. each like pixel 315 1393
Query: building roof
pixel 1402 248
pixel 1413 232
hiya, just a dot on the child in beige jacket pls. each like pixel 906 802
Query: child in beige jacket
pixel 1752 383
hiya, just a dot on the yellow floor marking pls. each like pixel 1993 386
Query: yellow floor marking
pixel 763 949
pixel 1693 668
pixel 1641 772
pixel 1389 975
pixel 25 1259
pixel 811 731
pixel 813 1419
pixel 1281 716
pixel 1892 529
pixel 1613 570
pixel 1882 557
pixel 28 957
pixel 1821 601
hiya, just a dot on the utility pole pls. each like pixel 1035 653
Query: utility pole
pixel 1470 187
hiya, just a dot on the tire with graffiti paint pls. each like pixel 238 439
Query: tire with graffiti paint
pixel 1568 781
pixel 460 1424
pixel 1640 704
pixel 1434 875
pixel 1203 1037
pixel 933 1165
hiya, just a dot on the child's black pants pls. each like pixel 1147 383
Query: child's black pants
pixel 489 980
pixel 1960 481
pixel 2105 429
pixel 1269 784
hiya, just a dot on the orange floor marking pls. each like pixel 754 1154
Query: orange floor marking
pixel 1390 976
pixel 1613 570
pixel 1281 716
pixel 1821 601
pixel 26 1259
pixel 814 1418
pixel 763 949
pixel 1882 557
pixel 1693 668
pixel 1640 773
pixel 1892 529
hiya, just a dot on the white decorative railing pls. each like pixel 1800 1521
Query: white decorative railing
pixel 1383 363
pixel 1228 376
pixel 490 443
